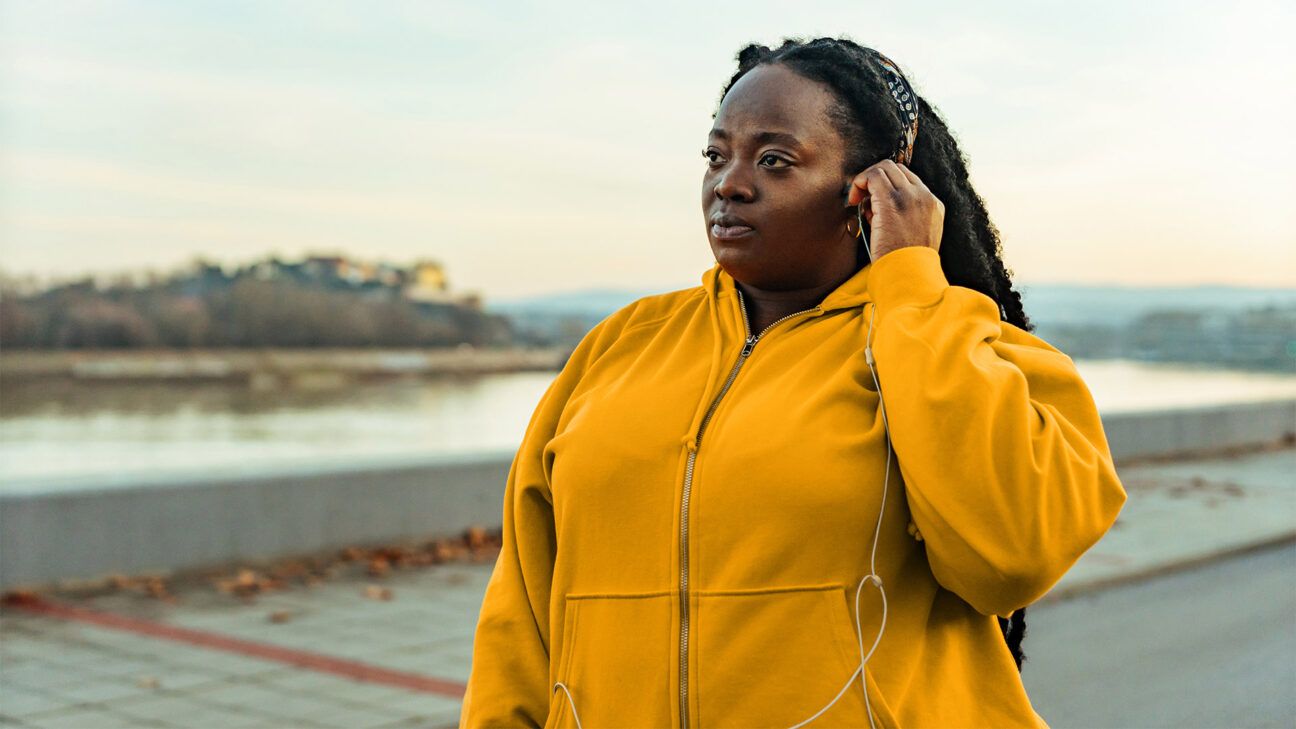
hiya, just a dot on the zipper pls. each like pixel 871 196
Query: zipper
pixel 749 344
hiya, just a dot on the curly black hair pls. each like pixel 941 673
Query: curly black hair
pixel 869 120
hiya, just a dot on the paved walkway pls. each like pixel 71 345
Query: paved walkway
pixel 338 655
pixel 1180 514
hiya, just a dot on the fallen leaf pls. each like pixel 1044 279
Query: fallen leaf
pixel 21 597
pixel 378 592
pixel 475 536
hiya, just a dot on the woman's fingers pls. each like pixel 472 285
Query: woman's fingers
pixel 894 174
pixel 883 178
pixel 870 181
pixel 910 213
pixel 858 189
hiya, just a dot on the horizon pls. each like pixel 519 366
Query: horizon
pixel 141 136
pixel 105 278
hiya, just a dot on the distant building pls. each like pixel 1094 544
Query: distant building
pixel 326 268
pixel 427 284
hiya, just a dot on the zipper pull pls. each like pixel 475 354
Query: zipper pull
pixel 747 348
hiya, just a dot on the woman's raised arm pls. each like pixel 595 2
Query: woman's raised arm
pixel 1008 473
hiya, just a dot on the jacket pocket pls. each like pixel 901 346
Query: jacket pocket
pixel 616 661
pixel 775 657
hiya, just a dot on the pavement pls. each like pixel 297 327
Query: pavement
pixel 395 651
pixel 1208 647
pixel 1182 514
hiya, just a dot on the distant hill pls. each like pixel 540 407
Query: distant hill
pixel 1050 304
pixel 1073 304
pixel 1232 326
pixel 585 302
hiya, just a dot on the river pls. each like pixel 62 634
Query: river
pixel 53 434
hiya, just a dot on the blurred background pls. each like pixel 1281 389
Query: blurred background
pixel 281 284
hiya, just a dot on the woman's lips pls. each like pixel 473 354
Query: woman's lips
pixel 729 232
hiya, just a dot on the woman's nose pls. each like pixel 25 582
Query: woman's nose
pixel 733 185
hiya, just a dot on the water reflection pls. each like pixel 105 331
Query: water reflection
pixel 69 430
pixel 106 433
pixel 70 398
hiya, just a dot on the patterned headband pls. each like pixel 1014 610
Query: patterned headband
pixel 908 101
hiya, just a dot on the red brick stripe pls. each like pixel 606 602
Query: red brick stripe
pixel 354 670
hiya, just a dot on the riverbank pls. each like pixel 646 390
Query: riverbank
pixel 271 368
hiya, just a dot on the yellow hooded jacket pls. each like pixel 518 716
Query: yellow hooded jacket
pixel 692 510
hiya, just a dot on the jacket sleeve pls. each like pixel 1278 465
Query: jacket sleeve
pixel 1008 472
pixel 508 683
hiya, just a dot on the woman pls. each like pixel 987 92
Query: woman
pixel 706 489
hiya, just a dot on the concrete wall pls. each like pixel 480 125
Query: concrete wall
pixel 1188 431
pixel 87 530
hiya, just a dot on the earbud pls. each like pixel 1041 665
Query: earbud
pixel 863 233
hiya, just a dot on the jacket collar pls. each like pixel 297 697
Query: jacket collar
pixel 852 292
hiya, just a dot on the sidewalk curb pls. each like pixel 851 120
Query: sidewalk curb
pixel 1086 587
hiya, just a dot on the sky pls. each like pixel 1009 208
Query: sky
pixel 537 147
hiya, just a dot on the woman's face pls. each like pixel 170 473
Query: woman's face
pixel 776 163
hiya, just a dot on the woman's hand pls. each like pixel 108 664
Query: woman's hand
pixel 901 211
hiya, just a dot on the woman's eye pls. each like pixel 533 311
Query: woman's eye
pixel 711 155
